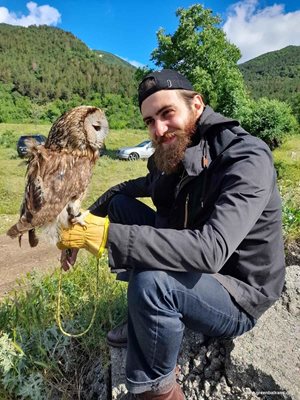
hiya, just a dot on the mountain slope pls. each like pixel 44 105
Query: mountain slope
pixel 111 59
pixel 46 63
pixel 275 74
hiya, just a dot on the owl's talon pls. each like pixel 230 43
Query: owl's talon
pixel 79 219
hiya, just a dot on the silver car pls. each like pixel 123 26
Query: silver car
pixel 142 150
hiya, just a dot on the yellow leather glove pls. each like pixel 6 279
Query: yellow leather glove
pixel 92 236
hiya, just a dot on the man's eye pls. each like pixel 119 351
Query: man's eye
pixel 167 113
pixel 148 122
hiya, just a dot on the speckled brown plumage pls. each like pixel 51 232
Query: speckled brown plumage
pixel 59 172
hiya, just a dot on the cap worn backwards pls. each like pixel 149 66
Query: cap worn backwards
pixel 166 79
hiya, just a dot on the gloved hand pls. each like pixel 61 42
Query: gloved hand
pixel 92 236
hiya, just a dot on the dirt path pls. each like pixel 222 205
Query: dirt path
pixel 16 262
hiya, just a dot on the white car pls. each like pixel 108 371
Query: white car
pixel 142 150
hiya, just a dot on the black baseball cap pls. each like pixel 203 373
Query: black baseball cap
pixel 166 79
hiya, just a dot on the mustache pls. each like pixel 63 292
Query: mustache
pixel 168 135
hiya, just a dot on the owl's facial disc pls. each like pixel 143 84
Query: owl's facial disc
pixel 101 131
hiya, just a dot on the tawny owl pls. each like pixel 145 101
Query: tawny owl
pixel 59 172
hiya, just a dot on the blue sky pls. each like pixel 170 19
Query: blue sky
pixel 128 28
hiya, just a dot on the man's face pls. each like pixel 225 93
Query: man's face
pixel 171 123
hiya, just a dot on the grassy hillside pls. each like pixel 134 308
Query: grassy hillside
pixel 275 74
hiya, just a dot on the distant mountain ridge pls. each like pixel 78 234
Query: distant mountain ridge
pixel 111 59
pixel 275 74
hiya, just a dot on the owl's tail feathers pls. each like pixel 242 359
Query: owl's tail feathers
pixel 33 239
pixel 17 231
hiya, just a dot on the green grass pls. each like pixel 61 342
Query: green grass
pixel 287 163
pixel 36 360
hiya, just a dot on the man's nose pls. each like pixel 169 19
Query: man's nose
pixel 160 128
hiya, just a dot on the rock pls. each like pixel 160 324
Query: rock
pixel 94 381
pixel 292 252
pixel 267 359
pixel 207 379
pixel 291 291
pixel 118 360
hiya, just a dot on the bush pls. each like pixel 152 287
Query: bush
pixel 270 120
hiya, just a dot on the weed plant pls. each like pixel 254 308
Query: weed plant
pixel 287 163
pixel 36 359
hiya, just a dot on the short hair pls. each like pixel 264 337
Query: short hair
pixel 187 96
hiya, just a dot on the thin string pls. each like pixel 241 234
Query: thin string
pixel 58 311
pixel 59 295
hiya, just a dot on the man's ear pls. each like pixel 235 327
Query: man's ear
pixel 198 105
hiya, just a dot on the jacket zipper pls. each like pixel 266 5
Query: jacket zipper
pixel 186 210
pixel 204 162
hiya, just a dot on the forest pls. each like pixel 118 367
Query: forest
pixel 45 70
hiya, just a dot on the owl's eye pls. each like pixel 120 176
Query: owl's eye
pixel 97 127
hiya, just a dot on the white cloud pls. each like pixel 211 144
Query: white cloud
pixel 256 31
pixel 38 15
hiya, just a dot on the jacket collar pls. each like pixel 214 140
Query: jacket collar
pixel 208 141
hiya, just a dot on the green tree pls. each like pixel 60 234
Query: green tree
pixel 121 112
pixel 200 50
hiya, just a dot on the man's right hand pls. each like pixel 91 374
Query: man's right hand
pixel 68 258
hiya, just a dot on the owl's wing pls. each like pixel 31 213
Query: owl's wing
pixel 53 183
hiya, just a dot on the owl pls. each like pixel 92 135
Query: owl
pixel 58 173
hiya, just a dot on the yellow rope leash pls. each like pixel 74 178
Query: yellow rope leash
pixel 59 295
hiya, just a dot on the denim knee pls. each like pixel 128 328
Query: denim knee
pixel 147 289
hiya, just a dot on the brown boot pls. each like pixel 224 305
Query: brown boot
pixel 117 337
pixel 175 393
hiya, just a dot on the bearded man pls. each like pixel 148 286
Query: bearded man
pixel 210 257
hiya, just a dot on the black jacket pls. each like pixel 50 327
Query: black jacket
pixel 220 215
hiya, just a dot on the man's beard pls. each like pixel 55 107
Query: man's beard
pixel 168 157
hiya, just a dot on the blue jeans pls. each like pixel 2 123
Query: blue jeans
pixel 161 304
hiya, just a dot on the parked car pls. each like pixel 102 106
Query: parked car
pixel 22 145
pixel 142 150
